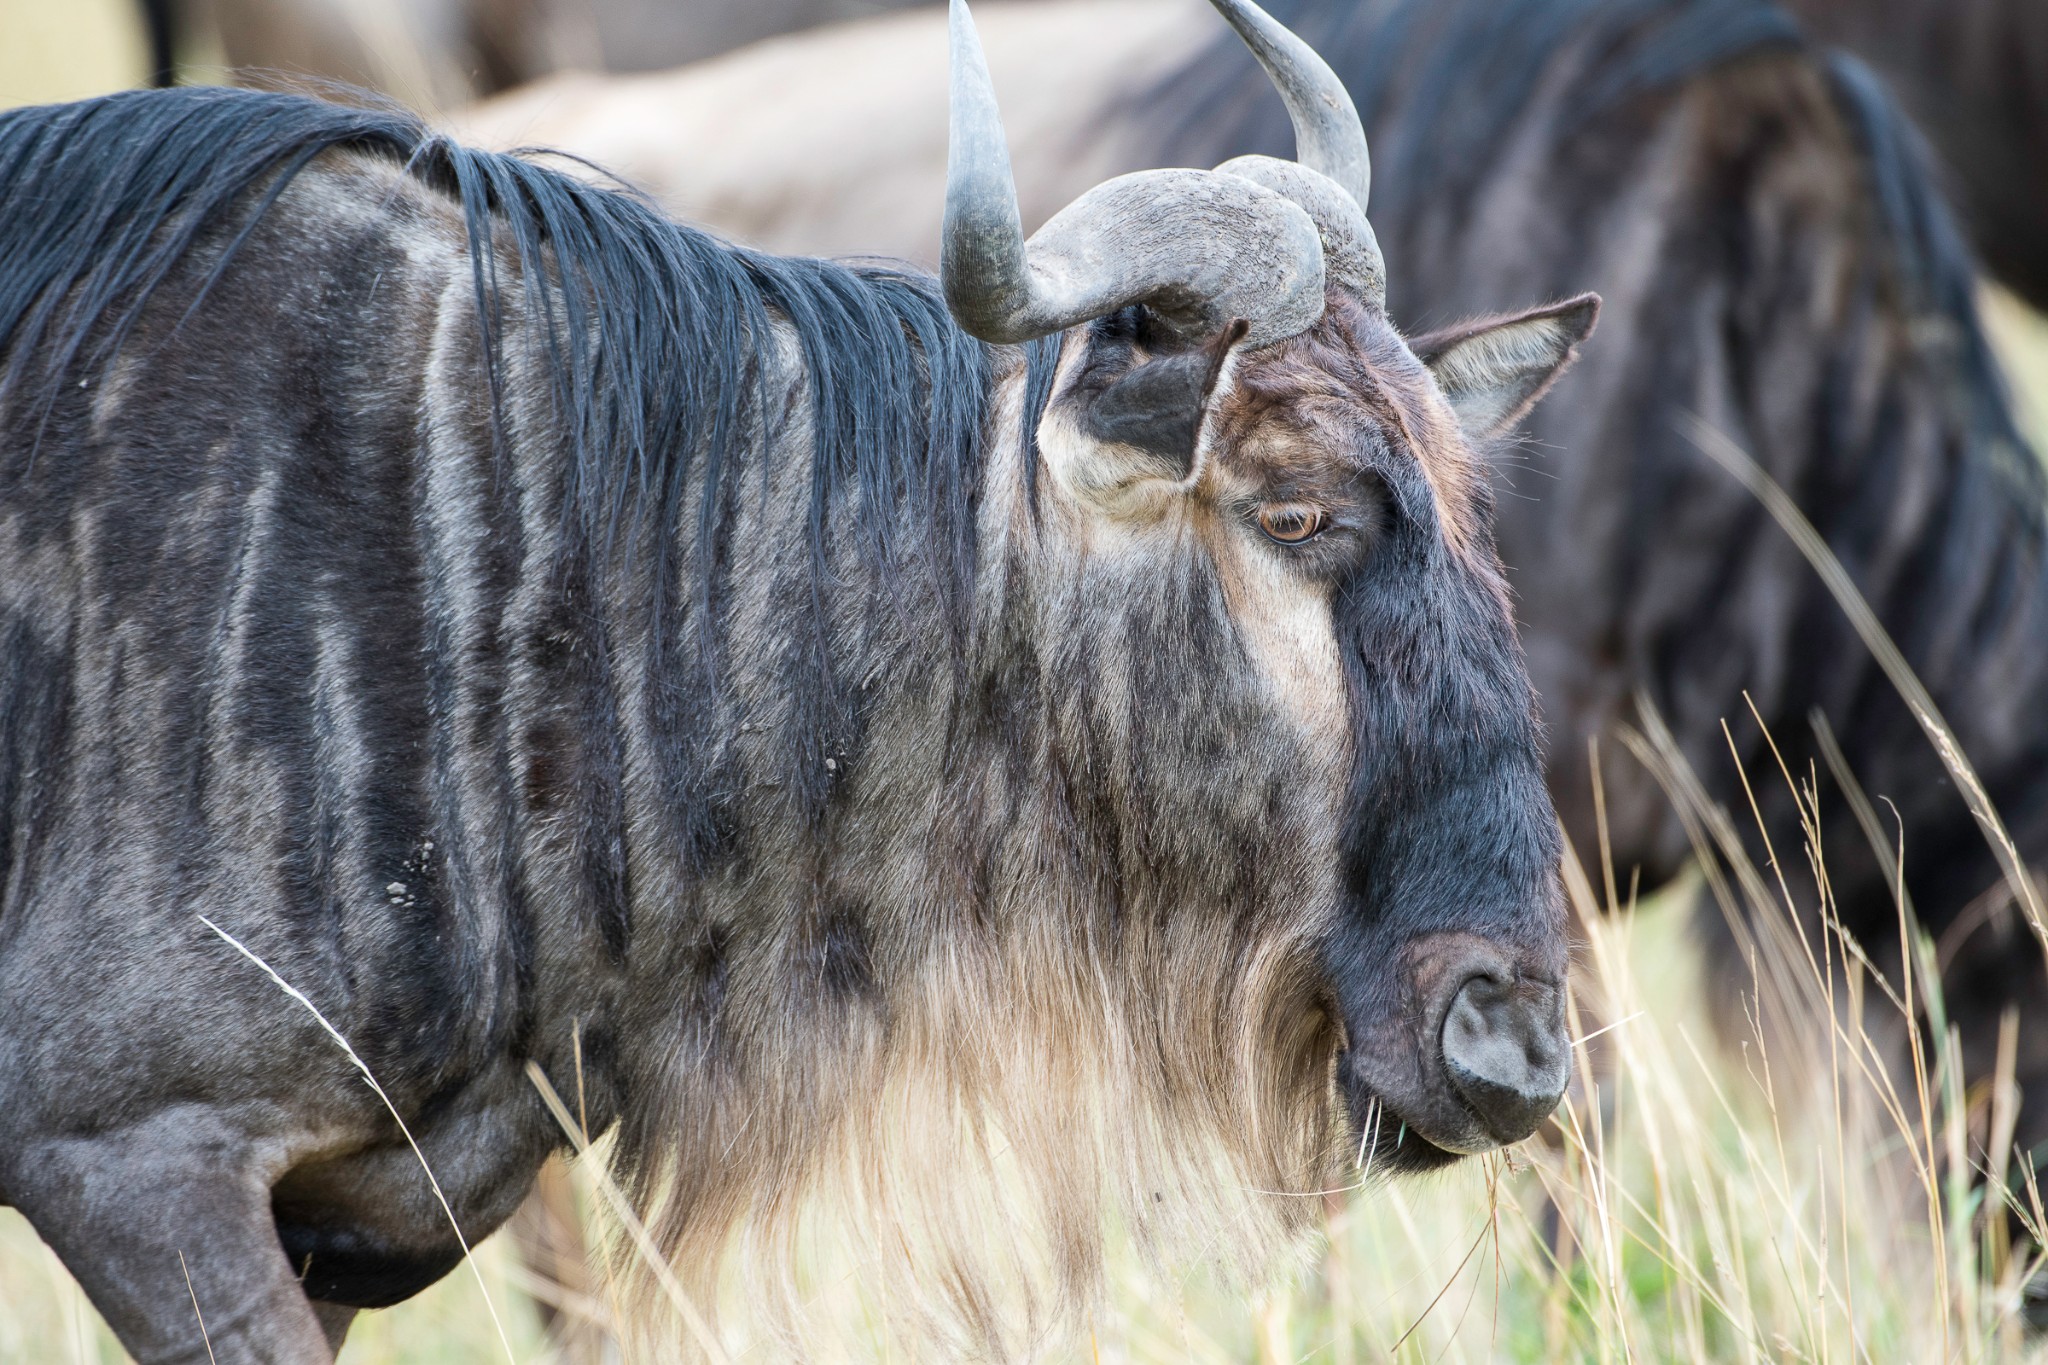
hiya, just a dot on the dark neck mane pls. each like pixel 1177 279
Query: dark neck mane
pixel 655 338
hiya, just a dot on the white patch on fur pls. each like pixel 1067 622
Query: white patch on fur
pixel 1119 502
pixel 1286 627
pixel 1282 617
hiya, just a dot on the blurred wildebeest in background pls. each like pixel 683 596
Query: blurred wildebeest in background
pixel 441 53
pixel 1776 259
pixel 1974 73
pixel 757 693
pixel 712 148
pixel 429 53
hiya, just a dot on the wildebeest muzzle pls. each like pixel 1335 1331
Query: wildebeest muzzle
pixel 1460 1048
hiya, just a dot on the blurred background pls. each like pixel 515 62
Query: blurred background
pixel 430 53
pixel 67 51
pixel 1679 1214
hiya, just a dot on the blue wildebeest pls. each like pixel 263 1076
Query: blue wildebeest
pixel 738 686
pixel 1974 73
pixel 1774 252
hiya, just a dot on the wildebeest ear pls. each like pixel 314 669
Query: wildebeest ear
pixel 1494 369
pixel 1157 407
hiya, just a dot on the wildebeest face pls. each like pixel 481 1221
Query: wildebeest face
pixel 1294 542
pixel 1299 694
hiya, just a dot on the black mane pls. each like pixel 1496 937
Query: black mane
pixel 656 337
pixel 655 332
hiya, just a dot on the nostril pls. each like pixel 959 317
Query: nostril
pixel 1505 1053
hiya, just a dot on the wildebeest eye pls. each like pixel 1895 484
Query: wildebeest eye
pixel 1291 523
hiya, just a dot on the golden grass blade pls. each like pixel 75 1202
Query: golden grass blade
pixel 490 1305
pixel 1724 452
pixel 200 1317
pixel 622 1209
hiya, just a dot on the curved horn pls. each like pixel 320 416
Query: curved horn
pixel 981 251
pixel 1351 253
pixel 1196 247
pixel 1328 135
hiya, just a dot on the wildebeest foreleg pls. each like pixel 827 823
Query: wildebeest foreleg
pixel 334 1321
pixel 166 1223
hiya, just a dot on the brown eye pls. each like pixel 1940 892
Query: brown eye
pixel 1291 523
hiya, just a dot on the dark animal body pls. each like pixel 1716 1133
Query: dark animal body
pixel 1776 259
pixel 540 633
pixel 1975 75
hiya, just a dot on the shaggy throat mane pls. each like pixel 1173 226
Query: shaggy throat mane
pixel 961 1138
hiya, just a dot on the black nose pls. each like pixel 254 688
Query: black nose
pixel 1506 1053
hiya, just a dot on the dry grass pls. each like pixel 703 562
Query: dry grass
pixel 1794 1197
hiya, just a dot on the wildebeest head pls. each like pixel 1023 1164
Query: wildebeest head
pixel 1274 565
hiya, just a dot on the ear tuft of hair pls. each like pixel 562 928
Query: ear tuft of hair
pixel 1493 369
